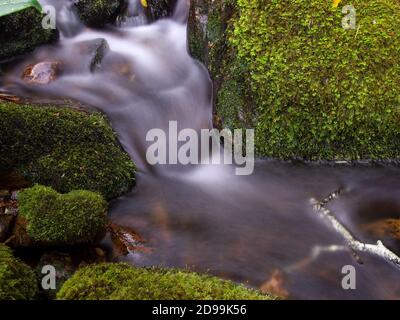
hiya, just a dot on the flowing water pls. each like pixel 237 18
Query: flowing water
pixel 205 217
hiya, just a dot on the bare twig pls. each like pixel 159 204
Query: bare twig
pixel 378 249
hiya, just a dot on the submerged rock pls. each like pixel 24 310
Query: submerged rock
pixel 42 72
pixel 93 51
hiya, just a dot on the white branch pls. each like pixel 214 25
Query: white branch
pixel 378 249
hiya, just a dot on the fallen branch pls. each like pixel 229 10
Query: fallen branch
pixel 378 249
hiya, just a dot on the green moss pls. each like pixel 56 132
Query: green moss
pixel 53 218
pixel 22 32
pixel 17 280
pixel 322 92
pixel 97 13
pixel 123 282
pixel 65 149
pixel 75 167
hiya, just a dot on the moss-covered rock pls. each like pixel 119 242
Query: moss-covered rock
pixel 97 13
pixel 60 219
pixel 123 282
pixel 17 280
pixel 322 92
pixel 64 148
pixel 310 88
pixel 22 31
pixel 210 25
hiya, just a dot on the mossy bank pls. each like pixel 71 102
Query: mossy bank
pixel 17 280
pixel 65 149
pixel 123 282
pixel 310 88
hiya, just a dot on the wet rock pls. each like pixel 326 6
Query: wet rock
pixel 42 72
pixel 6 224
pixel 198 38
pixel 275 285
pixel 126 240
pixel 118 65
pixel 161 8
pixel 20 237
pixel 97 13
pixel 93 52
pixel 64 267
pixel 8 213
pixel 384 228
pixel 22 31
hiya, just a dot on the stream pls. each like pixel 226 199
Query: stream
pixel 243 228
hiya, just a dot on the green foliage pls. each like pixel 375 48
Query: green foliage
pixel 17 280
pixel 97 13
pixel 58 219
pixel 11 6
pixel 322 92
pixel 65 149
pixel 22 31
pixel 123 282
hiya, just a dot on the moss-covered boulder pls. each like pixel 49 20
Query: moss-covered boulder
pixel 64 148
pixel 17 280
pixel 22 31
pixel 97 13
pixel 62 219
pixel 123 282
pixel 322 91
pixel 309 87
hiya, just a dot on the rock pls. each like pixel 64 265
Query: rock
pixel 64 266
pixel 8 213
pixel 21 32
pixel 93 52
pixel 384 228
pixel 161 8
pixel 125 240
pixel 97 13
pixel 6 224
pixel 53 219
pixel 275 285
pixel 119 65
pixel 42 72
pixel 20 237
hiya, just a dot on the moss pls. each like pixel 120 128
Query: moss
pixel 58 219
pixel 233 98
pixel 322 92
pixel 17 280
pixel 123 282
pixel 77 167
pixel 63 148
pixel 97 13
pixel 22 31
